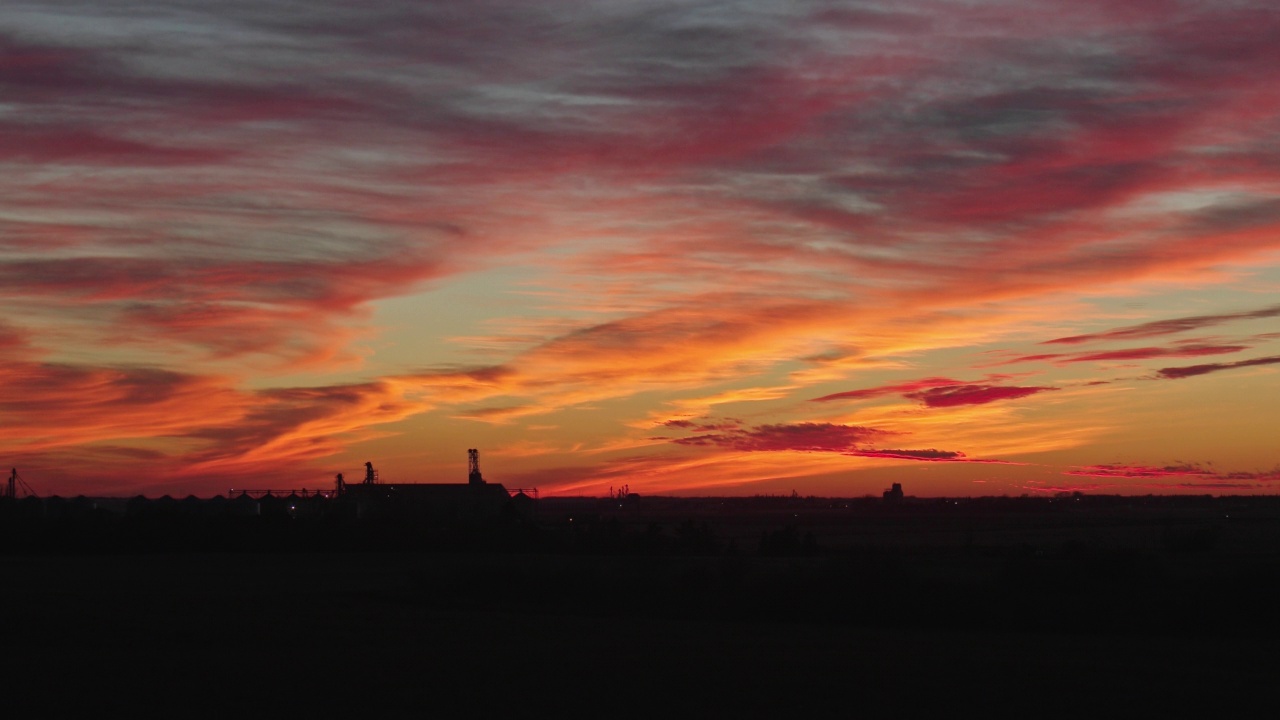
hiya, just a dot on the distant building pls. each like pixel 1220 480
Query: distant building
pixel 436 503
pixel 893 494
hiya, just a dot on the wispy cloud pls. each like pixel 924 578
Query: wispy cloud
pixel 1140 353
pixel 952 395
pixel 799 437
pixel 941 392
pixel 1139 471
pixel 183 425
pixel 929 455
pixel 1177 373
pixel 1204 478
pixel 1173 326
pixel 913 386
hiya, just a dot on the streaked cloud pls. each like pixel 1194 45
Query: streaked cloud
pixel 1139 471
pixel 1186 371
pixel 952 395
pixel 186 426
pixel 799 437
pixel 929 455
pixel 1203 478
pixel 1167 327
pixel 906 388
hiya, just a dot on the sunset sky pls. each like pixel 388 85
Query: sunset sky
pixel 691 248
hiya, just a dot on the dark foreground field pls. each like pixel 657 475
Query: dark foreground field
pixel 1102 613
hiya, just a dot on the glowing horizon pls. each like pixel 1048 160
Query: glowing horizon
pixel 693 248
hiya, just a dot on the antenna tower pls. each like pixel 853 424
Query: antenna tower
pixel 16 481
pixel 473 467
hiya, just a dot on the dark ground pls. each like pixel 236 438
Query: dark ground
pixel 674 609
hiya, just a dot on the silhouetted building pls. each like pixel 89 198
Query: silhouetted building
pixel 244 505
pixel 436 503
pixel 522 506
pixel 893 494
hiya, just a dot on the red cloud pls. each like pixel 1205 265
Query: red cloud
pixel 906 387
pixel 12 341
pixel 942 392
pixel 954 395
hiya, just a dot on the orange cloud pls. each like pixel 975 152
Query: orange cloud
pixel 184 426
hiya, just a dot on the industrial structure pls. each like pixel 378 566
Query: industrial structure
pixel 894 494
pixel 16 482
pixel 473 467
pixel 471 501
pixel 420 504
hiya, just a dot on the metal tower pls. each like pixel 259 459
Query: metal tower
pixel 16 482
pixel 473 467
